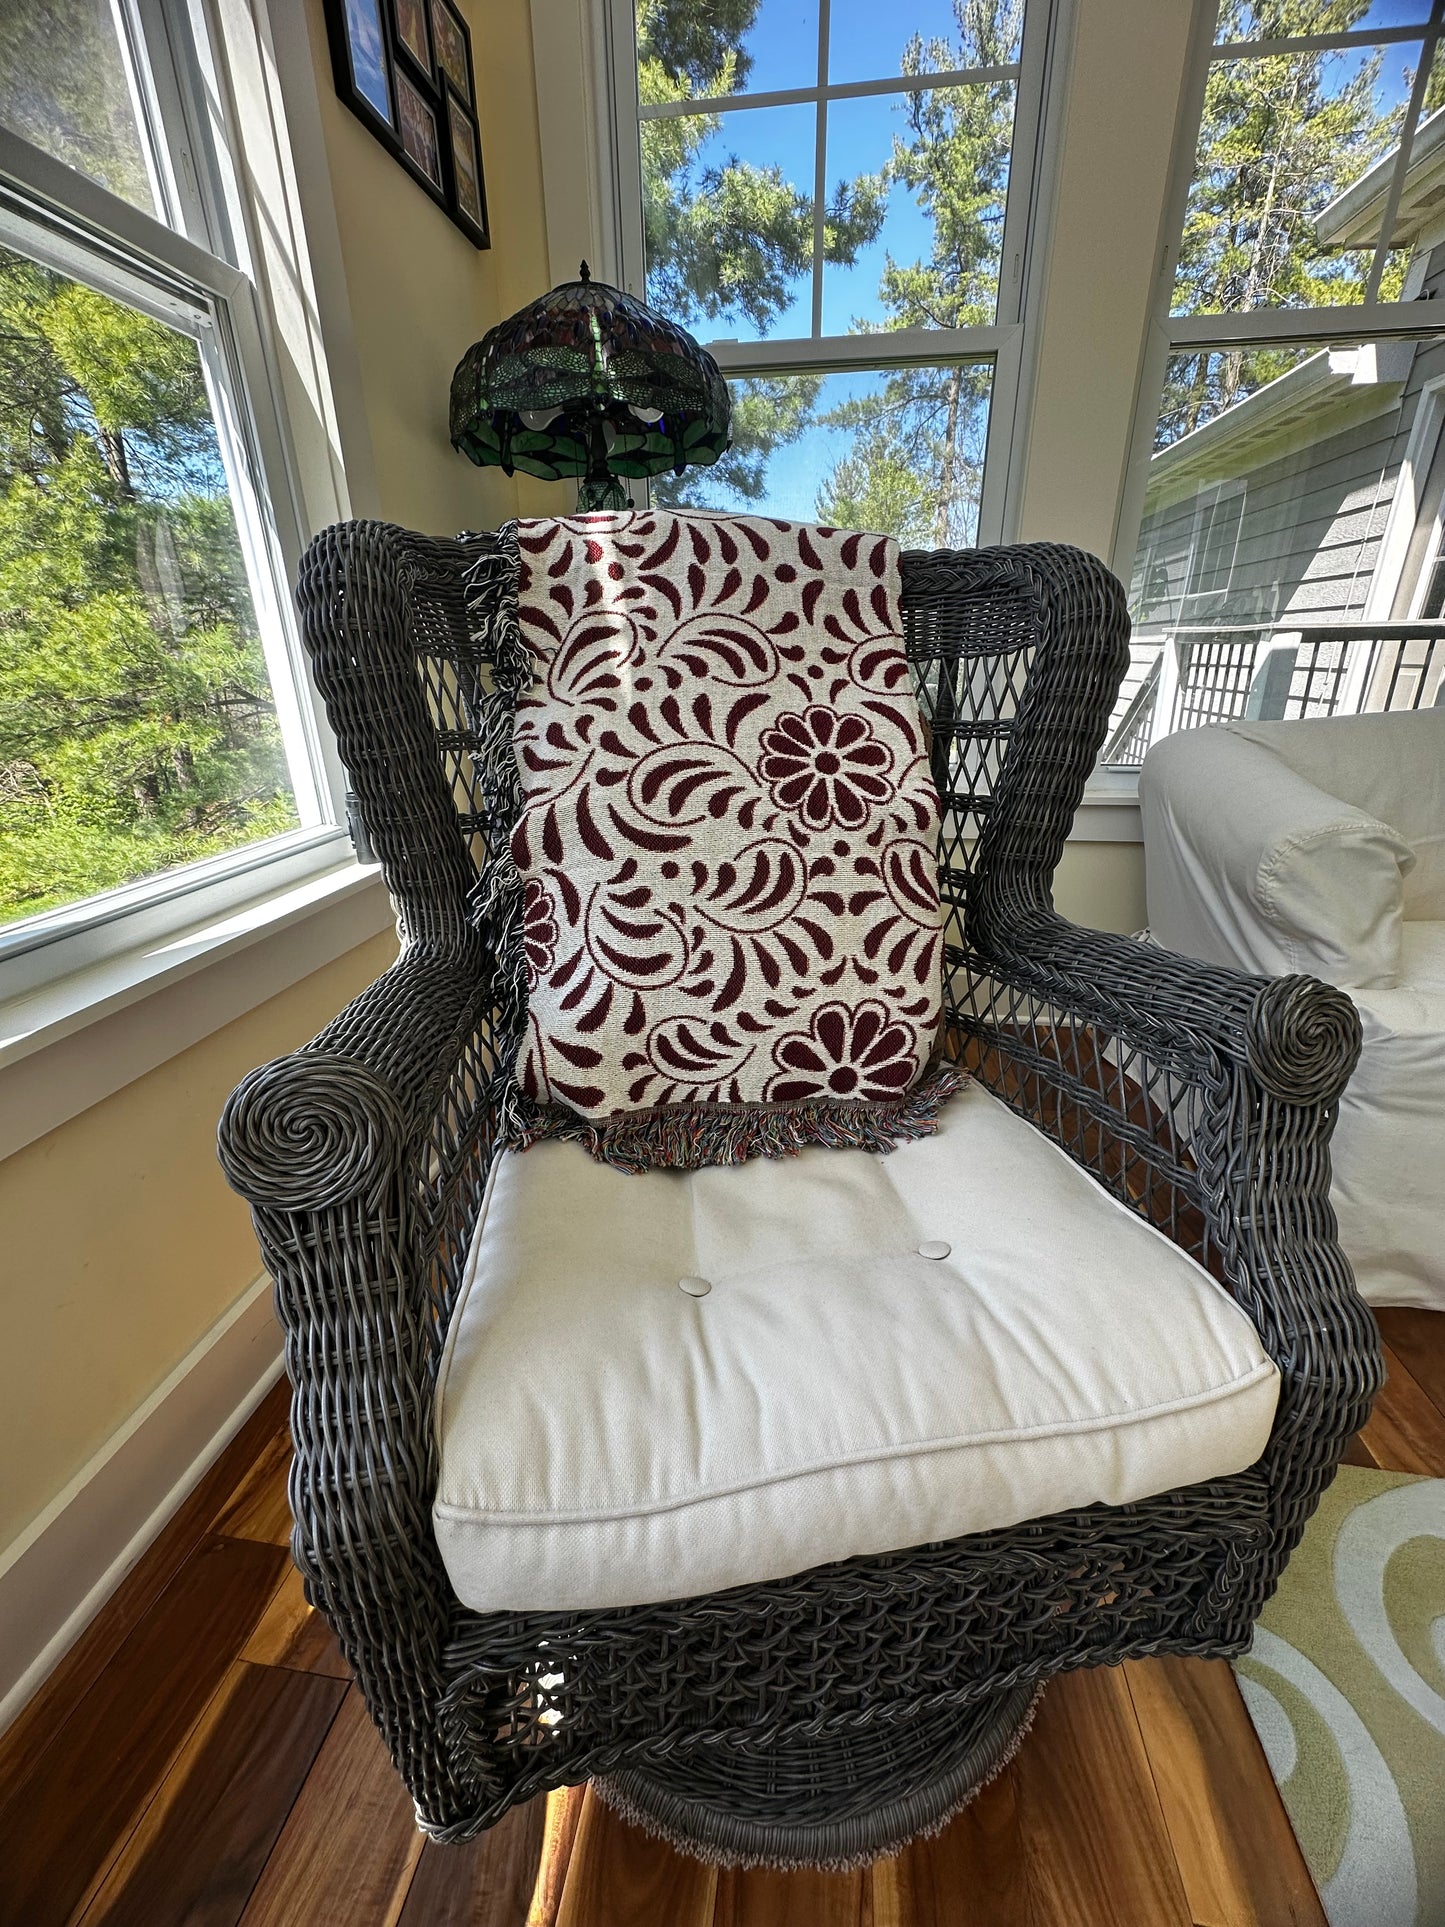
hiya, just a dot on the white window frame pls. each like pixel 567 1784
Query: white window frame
pixel 194 273
pixel 1369 321
pixel 1008 345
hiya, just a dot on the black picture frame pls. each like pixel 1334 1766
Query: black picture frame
pixel 404 68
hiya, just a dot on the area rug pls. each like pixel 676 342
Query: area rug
pixel 1345 1683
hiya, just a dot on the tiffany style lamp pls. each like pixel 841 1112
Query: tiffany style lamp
pixel 588 381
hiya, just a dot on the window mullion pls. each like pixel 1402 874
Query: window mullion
pixel 820 168
pixel 105 225
pixel 1402 161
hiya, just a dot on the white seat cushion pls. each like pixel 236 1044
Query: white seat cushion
pixel 608 1439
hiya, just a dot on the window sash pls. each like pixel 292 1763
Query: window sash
pixel 1006 345
pixel 72 224
pixel 1171 334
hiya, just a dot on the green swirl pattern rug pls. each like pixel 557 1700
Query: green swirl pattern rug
pixel 1345 1683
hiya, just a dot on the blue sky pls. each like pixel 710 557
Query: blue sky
pixel 795 472
pixel 866 42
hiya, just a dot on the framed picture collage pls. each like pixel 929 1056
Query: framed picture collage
pixel 404 67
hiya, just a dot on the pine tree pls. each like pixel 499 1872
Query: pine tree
pixel 917 456
pixel 1280 137
pixel 728 241
pixel 137 729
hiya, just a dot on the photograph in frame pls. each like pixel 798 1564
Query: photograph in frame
pixel 451 48
pixel 366 52
pixel 419 139
pixel 466 165
pixel 411 31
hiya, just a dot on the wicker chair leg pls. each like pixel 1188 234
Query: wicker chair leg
pixel 832 1802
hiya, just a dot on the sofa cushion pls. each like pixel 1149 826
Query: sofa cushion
pixel 663 1385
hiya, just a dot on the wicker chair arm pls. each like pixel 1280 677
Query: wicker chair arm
pixel 336 1121
pixel 1205 1100
pixel 363 1156
pixel 1298 1039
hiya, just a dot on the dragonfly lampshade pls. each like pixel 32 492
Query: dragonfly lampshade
pixel 588 381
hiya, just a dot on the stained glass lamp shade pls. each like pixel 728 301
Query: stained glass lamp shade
pixel 588 381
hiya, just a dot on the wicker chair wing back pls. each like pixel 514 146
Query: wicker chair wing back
pixel 383 617
pixel 1019 653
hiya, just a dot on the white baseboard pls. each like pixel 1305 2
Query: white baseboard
pixel 61 1570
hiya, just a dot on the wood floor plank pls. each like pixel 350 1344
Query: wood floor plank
pixel 619 1876
pixel 1405 1432
pixel 44 1717
pixel 972 1874
pixel 764 1897
pixel 64 1826
pixel 257 1508
pixel 1417 1338
pixel 489 1882
pixel 293 1634
pixel 348 1851
pixel 564 1811
pixel 1237 1856
pixel 1093 1837
pixel 202 1842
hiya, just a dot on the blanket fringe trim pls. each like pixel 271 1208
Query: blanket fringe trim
pixel 710 1134
pixel 497 901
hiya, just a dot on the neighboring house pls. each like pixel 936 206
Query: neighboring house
pixel 1312 506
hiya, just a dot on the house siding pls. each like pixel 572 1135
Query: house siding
pixel 1309 536
pixel 1313 522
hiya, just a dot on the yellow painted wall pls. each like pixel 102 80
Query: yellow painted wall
pixel 1102 885
pixel 420 293
pixel 124 1244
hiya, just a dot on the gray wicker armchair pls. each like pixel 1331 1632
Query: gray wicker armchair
pixel 832 1713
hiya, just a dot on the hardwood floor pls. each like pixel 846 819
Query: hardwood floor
pixel 201 1757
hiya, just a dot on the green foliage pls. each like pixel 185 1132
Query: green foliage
pixel 63 86
pixel 930 423
pixel 768 413
pixel 734 242
pixel 729 242
pixel 137 729
pixel 1279 139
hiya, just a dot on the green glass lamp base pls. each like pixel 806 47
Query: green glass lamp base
pixel 602 491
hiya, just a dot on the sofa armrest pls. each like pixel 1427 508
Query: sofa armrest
pixel 1249 863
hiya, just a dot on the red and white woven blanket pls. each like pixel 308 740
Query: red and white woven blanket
pixel 728 841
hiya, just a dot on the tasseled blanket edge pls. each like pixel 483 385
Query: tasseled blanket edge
pixel 688 1139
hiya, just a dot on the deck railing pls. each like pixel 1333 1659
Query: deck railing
pixel 1199 675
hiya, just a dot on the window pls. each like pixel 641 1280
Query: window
pixel 836 200
pixel 155 736
pixel 1218 512
pixel 1293 358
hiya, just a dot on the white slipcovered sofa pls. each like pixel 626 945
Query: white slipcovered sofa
pixel 1319 846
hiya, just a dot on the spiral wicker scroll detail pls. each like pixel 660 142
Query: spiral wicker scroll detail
pixel 310 1131
pixel 1303 1040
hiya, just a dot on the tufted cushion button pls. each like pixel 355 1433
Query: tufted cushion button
pixel 694 1287
pixel 934 1248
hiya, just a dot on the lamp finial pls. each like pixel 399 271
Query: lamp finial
pixel 586 274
